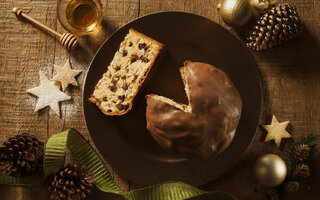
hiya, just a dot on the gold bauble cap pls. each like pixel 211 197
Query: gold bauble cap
pixel 235 12
pixel 261 5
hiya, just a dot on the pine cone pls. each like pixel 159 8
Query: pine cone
pixel 301 152
pixel 71 183
pixel 279 24
pixel 291 187
pixel 21 155
pixel 301 171
pixel 272 195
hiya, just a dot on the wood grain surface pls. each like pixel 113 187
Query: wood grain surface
pixel 290 77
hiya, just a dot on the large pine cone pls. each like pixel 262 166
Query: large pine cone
pixel 21 155
pixel 71 183
pixel 279 24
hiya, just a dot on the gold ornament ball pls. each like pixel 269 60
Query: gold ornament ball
pixel 270 170
pixel 235 12
pixel 261 5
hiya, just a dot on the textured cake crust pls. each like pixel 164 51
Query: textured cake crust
pixel 116 90
pixel 204 127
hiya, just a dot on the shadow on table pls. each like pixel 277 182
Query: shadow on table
pixel 97 194
pixel 296 57
pixel 21 193
pixel 89 44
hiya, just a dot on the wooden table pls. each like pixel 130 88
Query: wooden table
pixel 290 78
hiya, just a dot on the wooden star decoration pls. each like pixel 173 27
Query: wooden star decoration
pixel 65 75
pixel 276 131
pixel 49 94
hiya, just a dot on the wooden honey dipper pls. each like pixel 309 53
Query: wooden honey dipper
pixel 68 40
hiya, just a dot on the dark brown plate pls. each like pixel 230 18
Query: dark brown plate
pixel 124 141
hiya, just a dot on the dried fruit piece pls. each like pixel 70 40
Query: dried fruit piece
pixel 142 46
pixel 122 107
pixel 135 78
pixel 122 97
pixel 144 59
pixel 113 88
pixel 124 53
pixel 125 86
pixel 114 81
pixel 134 58
pixel 98 102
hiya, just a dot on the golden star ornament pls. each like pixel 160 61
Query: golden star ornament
pixel 49 94
pixel 276 131
pixel 65 75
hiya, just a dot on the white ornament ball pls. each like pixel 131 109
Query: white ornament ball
pixel 270 170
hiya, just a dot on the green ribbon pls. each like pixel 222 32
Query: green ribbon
pixel 54 159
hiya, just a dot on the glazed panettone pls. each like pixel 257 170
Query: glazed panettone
pixel 204 127
pixel 131 64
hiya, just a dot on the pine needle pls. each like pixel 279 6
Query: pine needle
pixel 308 140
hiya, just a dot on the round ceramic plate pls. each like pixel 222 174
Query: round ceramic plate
pixel 124 140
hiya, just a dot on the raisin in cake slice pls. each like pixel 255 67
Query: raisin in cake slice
pixel 131 64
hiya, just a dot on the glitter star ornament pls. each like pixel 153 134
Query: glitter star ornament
pixel 49 94
pixel 65 75
pixel 276 131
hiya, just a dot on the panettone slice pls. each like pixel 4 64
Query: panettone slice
pixel 131 64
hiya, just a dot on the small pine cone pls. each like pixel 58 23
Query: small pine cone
pixel 272 195
pixel 301 171
pixel 301 152
pixel 21 155
pixel 71 183
pixel 291 187
pixel 280 23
